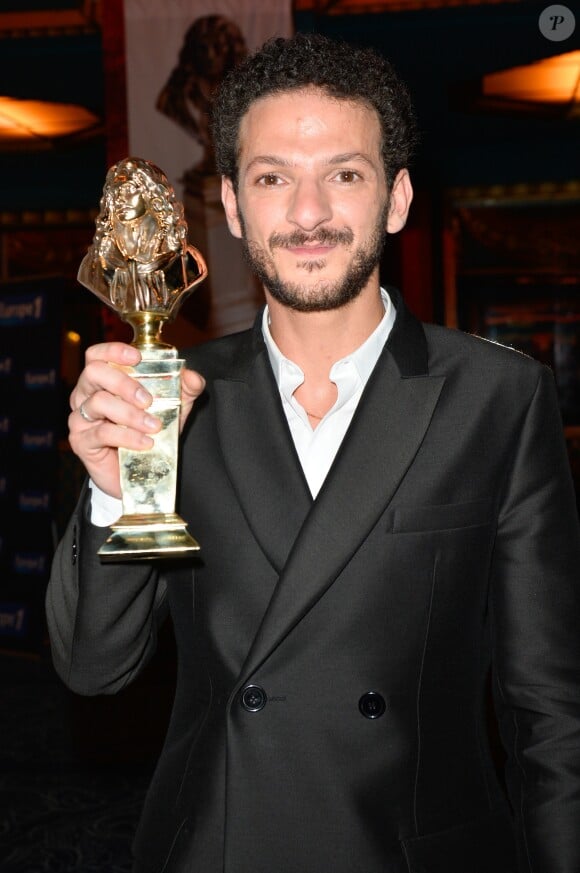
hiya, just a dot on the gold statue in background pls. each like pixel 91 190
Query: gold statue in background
pixel 142 267
pixel 212 46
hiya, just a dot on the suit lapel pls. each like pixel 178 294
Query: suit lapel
pixel 260 456
pixel 318 539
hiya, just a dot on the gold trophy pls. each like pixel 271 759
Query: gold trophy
pixel 142 267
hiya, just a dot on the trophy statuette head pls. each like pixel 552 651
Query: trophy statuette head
pixel 140 263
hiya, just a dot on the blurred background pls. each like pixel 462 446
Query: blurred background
pixel 491 247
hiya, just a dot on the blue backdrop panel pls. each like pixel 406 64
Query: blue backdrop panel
pixel 30 428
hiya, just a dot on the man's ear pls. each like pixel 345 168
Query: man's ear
pixel 230 203
pixel 400 202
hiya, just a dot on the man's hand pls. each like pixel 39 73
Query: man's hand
pixel 109 411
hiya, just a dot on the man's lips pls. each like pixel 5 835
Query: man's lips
pixel 317 250
pixel 316 245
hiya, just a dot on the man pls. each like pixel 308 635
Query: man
pixel 384 510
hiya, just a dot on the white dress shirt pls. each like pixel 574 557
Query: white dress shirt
pixel 316 447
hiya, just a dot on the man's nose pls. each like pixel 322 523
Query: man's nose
pixel 309 205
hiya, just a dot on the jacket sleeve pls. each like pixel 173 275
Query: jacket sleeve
pixel 535 610
pixel 102 618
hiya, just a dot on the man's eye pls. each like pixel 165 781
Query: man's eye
pixel 269 180
pixel 347 176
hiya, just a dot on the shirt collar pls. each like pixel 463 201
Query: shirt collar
pixel 289 376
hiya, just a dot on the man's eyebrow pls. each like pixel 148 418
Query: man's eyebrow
pixel 351 156
pixel 277 161
pixel 268 160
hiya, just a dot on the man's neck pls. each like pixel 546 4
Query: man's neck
pixel 316 340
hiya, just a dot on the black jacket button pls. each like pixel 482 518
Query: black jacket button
pixel 253 698
pixel 372 704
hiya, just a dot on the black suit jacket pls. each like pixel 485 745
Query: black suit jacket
pixel 444 540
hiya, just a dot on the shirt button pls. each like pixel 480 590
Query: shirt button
pixel 253 698
pixel 372 704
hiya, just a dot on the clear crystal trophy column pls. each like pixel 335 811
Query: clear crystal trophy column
pixel 141 266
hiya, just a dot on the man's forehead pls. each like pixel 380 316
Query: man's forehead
pixel 305 106
pixel 288 96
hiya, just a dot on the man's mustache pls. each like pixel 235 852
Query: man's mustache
pixel 323 236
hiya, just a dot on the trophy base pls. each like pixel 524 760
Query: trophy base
pixel 137 537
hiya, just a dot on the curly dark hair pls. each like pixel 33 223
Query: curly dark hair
pixel 340 69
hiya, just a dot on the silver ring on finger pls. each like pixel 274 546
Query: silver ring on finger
pixel 84 414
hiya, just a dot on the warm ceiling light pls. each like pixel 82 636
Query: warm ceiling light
pixel 550 81
pixel 39 123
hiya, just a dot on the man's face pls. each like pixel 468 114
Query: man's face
pixel 128 200
pixel 312 200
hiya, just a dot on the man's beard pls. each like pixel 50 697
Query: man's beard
pixel 323 295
